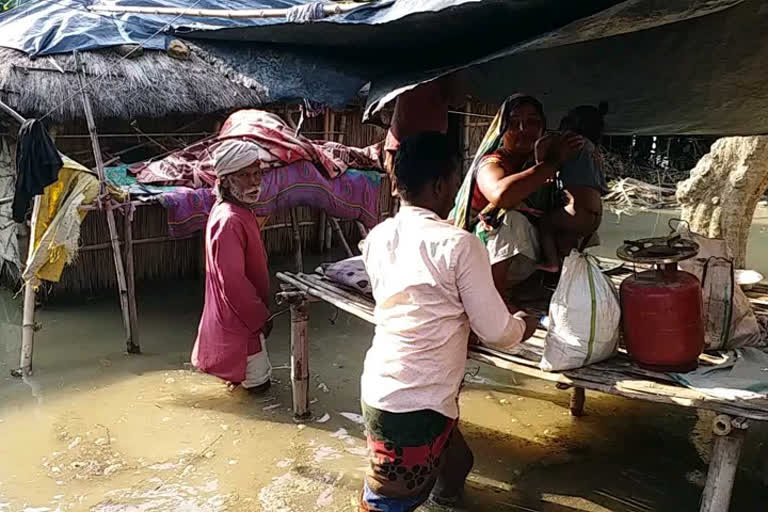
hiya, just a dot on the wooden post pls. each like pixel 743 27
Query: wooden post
pixel 300 361
pixel 322 221
pixel 328 236
pixel 729 436
pixel 131 347
pixel 296 241
pixel 130 276
pixel 578 398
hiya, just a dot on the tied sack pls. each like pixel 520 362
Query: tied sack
pixel 729 321
pixel 584 316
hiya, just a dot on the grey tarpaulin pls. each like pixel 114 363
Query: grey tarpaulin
pixel 664 67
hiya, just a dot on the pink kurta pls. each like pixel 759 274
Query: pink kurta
pixel 236 293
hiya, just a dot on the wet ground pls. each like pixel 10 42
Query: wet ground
pixel 97 430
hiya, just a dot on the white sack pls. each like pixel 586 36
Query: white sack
pixel 584 316
pixel 729 321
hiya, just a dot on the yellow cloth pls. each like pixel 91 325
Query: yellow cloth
pixel 57 226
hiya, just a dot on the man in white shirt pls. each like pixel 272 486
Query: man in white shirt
pixel 433 285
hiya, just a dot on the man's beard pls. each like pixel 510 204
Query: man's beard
pixel 249 197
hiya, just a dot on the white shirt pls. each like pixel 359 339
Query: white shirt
pixel 432 282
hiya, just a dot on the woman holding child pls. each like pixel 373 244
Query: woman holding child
pixel 531 197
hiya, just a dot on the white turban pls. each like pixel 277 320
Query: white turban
pixel 232 155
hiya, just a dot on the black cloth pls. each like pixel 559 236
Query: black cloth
pixel 37 165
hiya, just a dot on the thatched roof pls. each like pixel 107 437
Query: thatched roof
pixel 153 85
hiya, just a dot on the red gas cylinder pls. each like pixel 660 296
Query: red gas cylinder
pixel 662 315
pixel 662 308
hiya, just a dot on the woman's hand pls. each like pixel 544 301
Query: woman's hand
pixel 556 148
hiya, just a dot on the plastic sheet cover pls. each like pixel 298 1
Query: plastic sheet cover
pixel 674 67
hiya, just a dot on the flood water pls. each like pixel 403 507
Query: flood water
pixel 614 230
pixel 97 430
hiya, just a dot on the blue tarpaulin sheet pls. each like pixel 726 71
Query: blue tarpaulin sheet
pixel 60 26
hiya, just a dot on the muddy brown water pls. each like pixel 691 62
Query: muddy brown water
pixel 97 430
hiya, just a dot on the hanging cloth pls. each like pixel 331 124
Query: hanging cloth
pixel 37 165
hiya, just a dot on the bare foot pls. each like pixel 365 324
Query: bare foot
pixel 552 269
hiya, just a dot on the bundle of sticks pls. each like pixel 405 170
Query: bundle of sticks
pixel 630 196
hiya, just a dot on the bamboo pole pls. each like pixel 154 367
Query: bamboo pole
pixel 332 298
pixel 342 128
pixel 340 234
pixel 466 142
pixel 132 348
pixel 722 468
pixel 354 298
pixel 28 318
pixel 130 274
pixel 328 9
pixel 299 260
pixel 322 220
pixel 330 125
pixel 11 112
pixel 160 239
pixel 300 361
pixel 322 223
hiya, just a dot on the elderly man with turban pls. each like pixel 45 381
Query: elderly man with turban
pixel 231 338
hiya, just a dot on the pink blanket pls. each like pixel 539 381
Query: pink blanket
pixel 193 165
pixel 352 196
